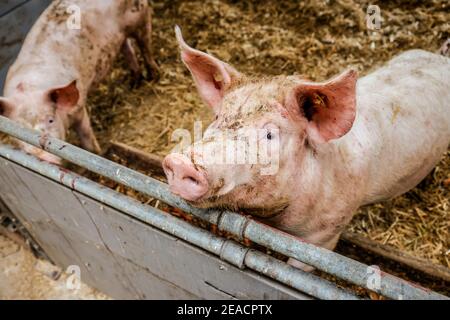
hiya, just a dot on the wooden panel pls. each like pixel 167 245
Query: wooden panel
pixel 212 278
pixel 16 20
pixel 7 6
pixel 120 255
pixel 3 207
pixel 26 208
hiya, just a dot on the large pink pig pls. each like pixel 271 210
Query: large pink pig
pixel 64 56
pixel 341 143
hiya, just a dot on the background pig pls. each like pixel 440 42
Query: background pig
pixel 47 86
pixel 343 143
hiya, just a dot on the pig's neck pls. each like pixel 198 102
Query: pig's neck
pixel 327 172
pixel 329 187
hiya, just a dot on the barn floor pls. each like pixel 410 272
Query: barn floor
pixel 23 276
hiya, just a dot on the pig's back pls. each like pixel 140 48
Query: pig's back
pixel 404 117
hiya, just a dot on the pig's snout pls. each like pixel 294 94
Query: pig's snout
pixel 184 178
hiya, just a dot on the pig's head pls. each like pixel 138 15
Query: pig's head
pixel 288 118
pixel 42 110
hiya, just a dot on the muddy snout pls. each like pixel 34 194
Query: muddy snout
pixel 184 178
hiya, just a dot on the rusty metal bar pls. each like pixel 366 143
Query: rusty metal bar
pixel 227 250
pixel 241 226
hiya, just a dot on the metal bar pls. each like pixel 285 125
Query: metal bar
pixel 228 250
pixel 289 275
pixel 323 259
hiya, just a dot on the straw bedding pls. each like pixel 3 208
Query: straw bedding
pixel 314 38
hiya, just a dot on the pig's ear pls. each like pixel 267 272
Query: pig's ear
pixel 212 76
pixel 65 97
pixel 329 107
pixel 6 107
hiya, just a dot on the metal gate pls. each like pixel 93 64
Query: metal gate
pixel 128 249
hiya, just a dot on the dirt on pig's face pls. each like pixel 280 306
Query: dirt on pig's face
pixel 264 136
pixel 248 152
pixel 41 110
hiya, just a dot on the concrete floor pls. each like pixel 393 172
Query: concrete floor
pixel 22 276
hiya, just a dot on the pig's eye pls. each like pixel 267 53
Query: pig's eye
pixel 51 120
pixel 269 132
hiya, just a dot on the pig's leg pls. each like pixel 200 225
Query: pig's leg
pixel 86 134
pixel 144 39
pixel 300 265
pixel 131 57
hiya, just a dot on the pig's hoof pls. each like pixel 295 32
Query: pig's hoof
pixel 98 151
pixel 136 81
pixel 300 265
pixel 153 73
pixel 95 149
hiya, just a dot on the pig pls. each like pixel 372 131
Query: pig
pixel 60 63
pixel 342 143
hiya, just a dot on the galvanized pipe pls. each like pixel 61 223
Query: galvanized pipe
pixel 241 226
pixel 228 250
pixel 287 274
